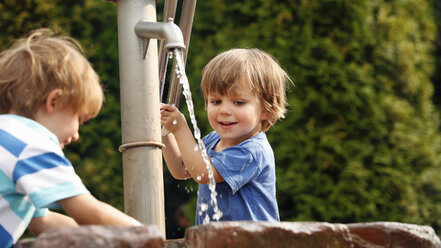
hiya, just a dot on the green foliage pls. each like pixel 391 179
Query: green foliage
pixel 436 77
pixel 360 141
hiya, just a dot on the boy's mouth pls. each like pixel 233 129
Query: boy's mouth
pixel 227 124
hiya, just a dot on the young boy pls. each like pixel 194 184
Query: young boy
pixel 244 92
pixel 47 89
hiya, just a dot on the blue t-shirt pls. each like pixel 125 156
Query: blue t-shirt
pixel 34 174
pixel 249 189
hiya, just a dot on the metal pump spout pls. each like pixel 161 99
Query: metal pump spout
pixel 167 31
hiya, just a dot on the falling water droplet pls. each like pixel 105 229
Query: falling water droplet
pixel 170 55
pixel 204 206
pixel 198 178
pixel 196 147
pixel 175 122
pixel 206 219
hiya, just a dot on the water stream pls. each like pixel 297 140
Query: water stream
pixel 182 77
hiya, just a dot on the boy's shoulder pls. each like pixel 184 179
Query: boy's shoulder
pixel 212 136
pixel 258 141
pixel 17 132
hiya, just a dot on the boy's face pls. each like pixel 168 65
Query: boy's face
pixel 235 117
pixel 64 123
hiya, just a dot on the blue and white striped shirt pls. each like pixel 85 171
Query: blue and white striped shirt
pixel 34 175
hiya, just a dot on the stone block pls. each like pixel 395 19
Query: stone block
pixel 393 234
pixel 175 243
pixel 244 234
pixel 101 236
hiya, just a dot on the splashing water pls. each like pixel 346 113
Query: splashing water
pixel 180 72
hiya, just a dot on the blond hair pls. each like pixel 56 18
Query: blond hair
pixel 252 70
pixel 34 66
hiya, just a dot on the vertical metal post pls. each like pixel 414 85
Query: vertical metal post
pixel 140 118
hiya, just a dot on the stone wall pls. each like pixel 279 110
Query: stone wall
pixel 243 234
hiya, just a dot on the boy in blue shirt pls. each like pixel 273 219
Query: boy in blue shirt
pixel 244 92
pixel 47 89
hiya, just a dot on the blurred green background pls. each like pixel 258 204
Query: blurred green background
pixel 361 141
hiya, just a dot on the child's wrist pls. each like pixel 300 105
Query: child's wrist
pixel 164 131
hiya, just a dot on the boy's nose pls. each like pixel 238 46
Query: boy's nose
pixel 224 109
pixel 76 136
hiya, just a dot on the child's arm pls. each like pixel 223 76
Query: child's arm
pixel 182 147
pixel 172 157
pixel 87 210
pixel 49 220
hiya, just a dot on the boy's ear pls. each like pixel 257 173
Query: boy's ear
pixel 264 115
pixel 52 100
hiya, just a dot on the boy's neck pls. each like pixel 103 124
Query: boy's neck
pixel 13 112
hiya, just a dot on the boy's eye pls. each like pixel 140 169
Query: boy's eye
pixel 239 102
pixel 215 102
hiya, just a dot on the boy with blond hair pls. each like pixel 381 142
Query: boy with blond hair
pixel 244 92
pixel 47 89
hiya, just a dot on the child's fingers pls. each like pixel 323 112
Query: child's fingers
pixel 167 113
pixel 171 118
pixel 168 107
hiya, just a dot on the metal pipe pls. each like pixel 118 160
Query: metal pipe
pixel 185 23
pixel 168 12
pixel 140 118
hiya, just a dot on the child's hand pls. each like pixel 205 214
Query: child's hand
pixel 171 118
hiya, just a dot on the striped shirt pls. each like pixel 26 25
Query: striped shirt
pixel 34 175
